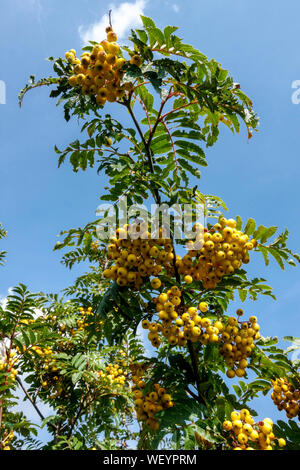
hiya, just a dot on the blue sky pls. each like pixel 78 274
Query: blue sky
pixel 257 41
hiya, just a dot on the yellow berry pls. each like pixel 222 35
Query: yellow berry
pixel 203 307
pixel 188 279
pixel 281 442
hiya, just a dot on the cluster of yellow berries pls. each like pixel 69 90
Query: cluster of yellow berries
pixel 7 364
pixel 95 245
pixel 137 374
pixel 27 321
pixel 211 256
pixel 215 253
pixel 50 365
pixel 55 386
pixel 179 324
pixel 6 439
pixel 238 341
pixel 50 378
pixel 114 374
pixel 146 406
pixel 47 351
pixel 286 397
pixel 248 435
pixel 48 372
pixel 43 352
pixel 99 72
pixel 85 320
pixel 137 256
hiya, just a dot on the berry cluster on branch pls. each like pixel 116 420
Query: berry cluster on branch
pixel 7 437
pixel 114 373
pixel 99 72
pixel 215 253
pixel 245 434
pixel 148 404
pixel 286 397
pixel 137 256
pixel 180 324
pixel 8 371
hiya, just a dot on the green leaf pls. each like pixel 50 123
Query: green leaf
pixel 207 433
pixel 275 253
pixel 242 294
pixel 142 34
pixel 147 22
pixel 239 223
pixel 146 97
pixel 250 227
pixel 265 253
pixel 268 234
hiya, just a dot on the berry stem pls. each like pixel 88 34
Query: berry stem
pixel 109 18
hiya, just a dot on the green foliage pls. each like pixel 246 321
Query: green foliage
pixel 66 348
pixel 64 364
pixel 195 98
pixel 290 432
pixel 277 248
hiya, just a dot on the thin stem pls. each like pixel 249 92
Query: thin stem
pixel 127 104
pixel 140 84
pixel 146 112
pixel 81 407
pixel 172 143
pixel 170 51
pixel 147 147
pixel 100 149
pixel 51 81
pixel 195 369
pixel 157 120
pixel 33 402
pixel 178 109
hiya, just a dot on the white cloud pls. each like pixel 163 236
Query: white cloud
pixel 175 8
pixel 124 17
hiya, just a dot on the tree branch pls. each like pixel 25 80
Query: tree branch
pixel 158 201
pixel 29 398
pixel 147 147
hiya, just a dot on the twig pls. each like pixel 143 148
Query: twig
pixel 157 120
pixel 33 402
pixel 172 143
pixel 146 145
pixel 81 407
pixel 146 112
pixel 177 109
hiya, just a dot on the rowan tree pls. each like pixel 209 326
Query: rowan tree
pixel 80 353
